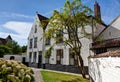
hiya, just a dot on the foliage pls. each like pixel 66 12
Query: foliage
pixel 4 50
pixel 15 48
pixel 48 52
pixel 13 71
pixel 24 48
pixel 60 77
pixel 71 21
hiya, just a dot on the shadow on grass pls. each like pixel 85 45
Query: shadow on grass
pixel 73 80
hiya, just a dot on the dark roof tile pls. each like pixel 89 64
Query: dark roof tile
pixel 108 54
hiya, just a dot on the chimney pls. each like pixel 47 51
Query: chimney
pixel 97 12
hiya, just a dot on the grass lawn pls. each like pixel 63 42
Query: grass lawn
pixel 60 77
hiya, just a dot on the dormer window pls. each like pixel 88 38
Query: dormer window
pixel 35 29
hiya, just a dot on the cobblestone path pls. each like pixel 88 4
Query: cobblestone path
pixel 38 77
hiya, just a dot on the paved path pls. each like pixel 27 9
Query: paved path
pixel 38 76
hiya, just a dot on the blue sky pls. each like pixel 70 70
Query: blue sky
pixel 17 16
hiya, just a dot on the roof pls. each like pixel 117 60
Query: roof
pixel 108 54
pixel 106 44
pixel 99 21
pixel 41 17
pixel 44 20
pixel 4 41
pixel 9 37
pixel 108 26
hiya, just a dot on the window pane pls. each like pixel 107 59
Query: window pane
pixel 30 44
pixel 35 42
pixel 35 56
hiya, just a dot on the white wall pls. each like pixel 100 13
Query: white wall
pixel 106 69
pixel 113 31
pixel 85 52
pixel 17 57
pixel 32 35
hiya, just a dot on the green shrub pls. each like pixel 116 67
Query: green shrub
pixel 13 71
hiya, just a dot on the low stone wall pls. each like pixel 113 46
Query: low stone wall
pixel 105 69
pixel 58 67
pixel 64 68
pixel 33 64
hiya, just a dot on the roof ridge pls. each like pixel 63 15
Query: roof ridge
pixel 41 17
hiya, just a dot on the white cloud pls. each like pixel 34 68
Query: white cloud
pixel 22 28
pixel 13 15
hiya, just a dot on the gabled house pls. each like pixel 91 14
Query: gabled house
pixel 61 57
pixel 3 41
pixel 35 44
pixel 108 39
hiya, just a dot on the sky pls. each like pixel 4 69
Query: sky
pixel 17 16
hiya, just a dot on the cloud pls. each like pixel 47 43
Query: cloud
pixel 21 41
pixel 13 15
pixel 21 28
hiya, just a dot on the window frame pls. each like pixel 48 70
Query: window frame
pixel 59 56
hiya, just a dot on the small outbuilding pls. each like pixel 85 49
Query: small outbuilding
pixel 105 67
pixel 17 57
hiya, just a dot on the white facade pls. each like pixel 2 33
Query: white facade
pixel 66 59
pixel 16 57
pixel 105 69
pixel 113 30
pixel 38 34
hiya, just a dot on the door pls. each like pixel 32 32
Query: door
pixel 40 59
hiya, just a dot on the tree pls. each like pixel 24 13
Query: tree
pixel 4 50
pixel 15 48
pixel 72 21
pixel 24 48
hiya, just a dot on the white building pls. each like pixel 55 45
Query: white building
pixel 60 58
pixel 109 38
pixel 104 66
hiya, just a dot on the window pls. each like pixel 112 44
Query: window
pixel 35 42
pixel 40 57
pixel 35 56
pixel 59 37
pixel 30 56
pixel 109 33
pixel 59 56
pixel 30 45
pixel 47 41
pixel 40 52
pixel 35 29
pixel 101 50
pixel 47 60
pixel 72 58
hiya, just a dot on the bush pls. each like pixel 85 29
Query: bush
pixel 13 71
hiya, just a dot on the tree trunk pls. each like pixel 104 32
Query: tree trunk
pixel 81 65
